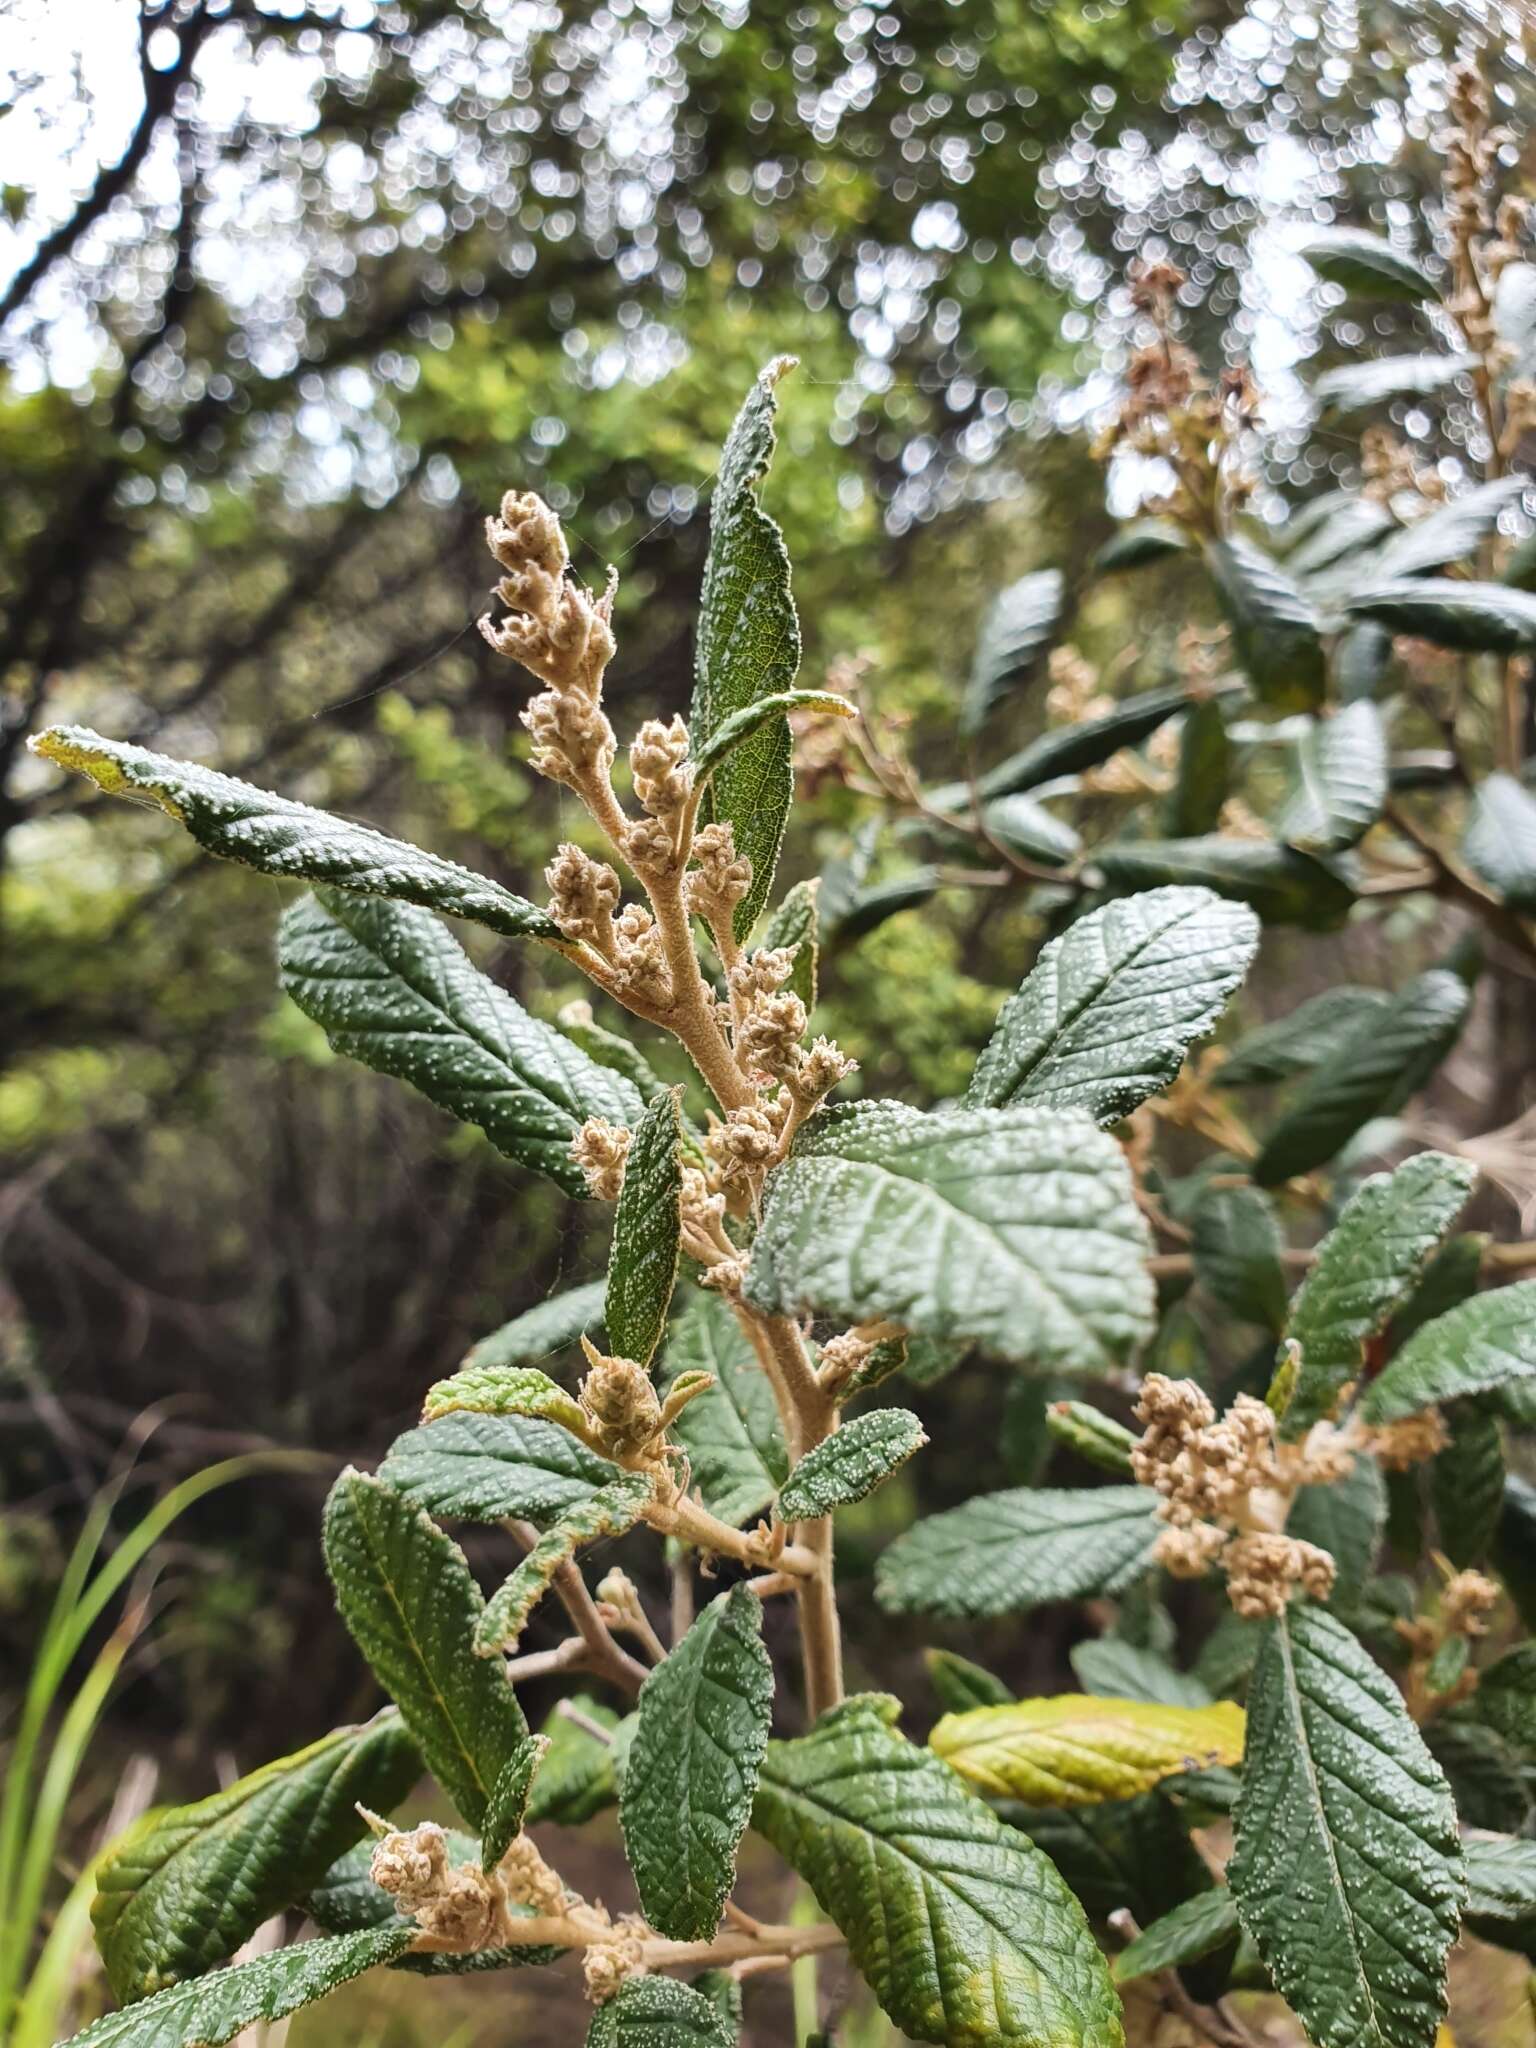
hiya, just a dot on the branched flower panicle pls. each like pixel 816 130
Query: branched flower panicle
pixel 600 1148
pixel 462 1909
pixel 558 631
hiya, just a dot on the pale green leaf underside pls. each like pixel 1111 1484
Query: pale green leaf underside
pixel 1500 842
pixel 485 1467
pixel 182 1890
pixel 850 1463
pixel 1016 631
pixel 691 1770
pixel 1367 1266
pixel 1015 1228
pixel 748 647
pixel 1347 1870
pixel 405 1592
pixel 1004 1553
pixel 1487 1342
pixel 608 1512
pixel 658 2012
pixel 289 840
pixel 207 2011
pixel 1341 781
pixel 732 1433
pixel 642 1266
pixel 390 986
pixel 964 1931
pixel 1109 1010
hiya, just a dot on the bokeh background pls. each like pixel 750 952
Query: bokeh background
pixel 290 293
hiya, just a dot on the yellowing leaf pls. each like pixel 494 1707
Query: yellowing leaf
pixel 1078 1751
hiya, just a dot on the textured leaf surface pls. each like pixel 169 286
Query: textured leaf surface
pixel 1367 1266
pixel 642 1267
pixel 1079 1749
pixel 1109 1010
pixel 1379 1066
pixel 1346 1518
pixel 1004 1553
pixel 1283 886
pixel 850 1463
pixel 1347 1870
pixel 608 1049
pixel 1236 1244
pixel 1014 1228
pixel 406 1594
pixel 751 718
pixel 1296 1043
pixel 1333 542
pixel 1341 781
pixel 291 841
pixel 1501 1890
pixel 390 986
pixel 1501 839
pixel 1489 1341
pixel 1118 1670
pixel 960 1685
pixel 1446 535
pixel 184 1888
pixel 551 1325
pixel 1366 265
pixel 965 1933
pixel 608 1512
pixel 208 2011
pixel 1194 1928
pixel 1017 630
pixel 1351 386
pixel 484 1467
pixel 748 646
pixel 1205 772
pixel 1472 617
pixel 731 1433
pixel 691 1771
pixel 507 1806
pixel 1133 1854
pixel 658 2012
pixel 503 1390
pixel 1275 630
pixel 1467 1486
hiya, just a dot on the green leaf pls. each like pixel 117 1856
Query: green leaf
pixel 183 1889
pixel 1275 630
pixel 1004 1553
pixel 1205 772
pixel 1079 1750
pixel 1489 1341
pixel 1193 1929
pixel 486 1467
pixel 751 718
pixel 551 1325
pixel 1110 1008
pixel 1227 1655
pixel 1069 749
pixel 1467 1485
pixel 208 2011
pixel 1385 1060
pixel 1347 1870
pixel 1142 541
pixel 1500 843
pixel 658 2012
pixel 576 1778
pixel 1505 1701
pixel 1366 265
pixel 1515 1549
pixel 1026 827
pixel 692 1767
pixel 1491 1787
pixel 406 1595
pixel 1296 1043
pixel 608 1049
pixel 961 1928
pixel 392 988
pixel 503 1390
pixel 856 915
pixel 1367 1266
pixel 1501 1891
pixel 795 923
pixel 1472 617
pixel 1378 380
pixel 1346 1518
pixel 291 841
pixel 1341 767
pixel 1447 535
pixel 1283 886
pixel 1017 630
pixel 1236 1245
pixel 732 1434
pixel 724 1993
pixel 850 1463
pixel 1094 1436
pixel 747 647
pixel 1131 1854
pixel 1450 1277
pixel 1350 525
pixel 1115 1669
pixel 507 1807
pixel 1015 1228
pixel 647 1234
pixel 610 1511
pixel 960 1685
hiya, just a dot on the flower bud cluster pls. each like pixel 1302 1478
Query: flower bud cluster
pixel 621 1954
pixel 658 761
pixel 558 631
pixel 1467 1602
pixel 722 877
pixel 600 1148
pixel 583 896
pixel 747 1140
pixel 1399 1446
pixel 462 1909
pixel 619 1402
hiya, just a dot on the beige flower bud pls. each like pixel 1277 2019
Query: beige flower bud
pixel 769 1039
pixel 721 878
pixel 620 1402
pixel 658 761
pixel 600 1148
pixel 584 893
